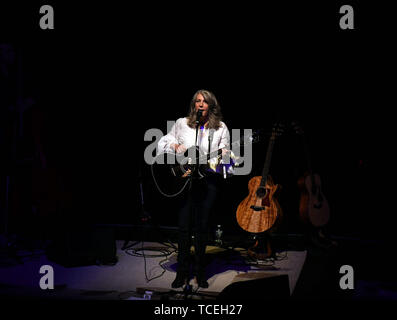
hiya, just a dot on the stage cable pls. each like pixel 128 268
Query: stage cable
pixel 164 252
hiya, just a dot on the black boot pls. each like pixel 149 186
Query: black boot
pixel 201 280
pixel 182 274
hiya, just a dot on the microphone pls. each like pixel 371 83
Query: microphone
pixel 198 116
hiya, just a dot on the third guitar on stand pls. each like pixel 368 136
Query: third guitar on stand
pixel 313 206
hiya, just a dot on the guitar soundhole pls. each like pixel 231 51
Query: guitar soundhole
pixel 261 192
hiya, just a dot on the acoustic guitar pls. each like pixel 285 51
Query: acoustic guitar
pixel 313 206
pixel 259 211
pixel 170 170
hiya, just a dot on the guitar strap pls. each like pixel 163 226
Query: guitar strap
pixel 209 146
pixel 210 134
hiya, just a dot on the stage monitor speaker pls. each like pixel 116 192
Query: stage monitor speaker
pixel 84 246
pixel 275 287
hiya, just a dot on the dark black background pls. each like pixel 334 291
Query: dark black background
pixel 109 72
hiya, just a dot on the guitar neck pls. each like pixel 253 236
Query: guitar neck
pixel 219 151
pixel 308 161
pixel 300 131
pixel 266 167
pixel 308 157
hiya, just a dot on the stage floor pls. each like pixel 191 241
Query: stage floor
pixel 134 273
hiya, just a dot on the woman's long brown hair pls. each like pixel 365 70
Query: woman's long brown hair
pixel 214 110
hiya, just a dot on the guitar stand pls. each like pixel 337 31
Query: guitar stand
pixel 144 216
pixel 261 251
pixel 256 249
pixel 126 244
pixel 257 254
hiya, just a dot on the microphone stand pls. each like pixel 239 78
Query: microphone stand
pixel 195 172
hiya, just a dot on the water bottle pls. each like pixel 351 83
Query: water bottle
pixel 218 235
pixel 148 295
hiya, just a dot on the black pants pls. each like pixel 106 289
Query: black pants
pixel 194 213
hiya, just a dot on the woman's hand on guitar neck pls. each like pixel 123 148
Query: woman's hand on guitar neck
pixel 179 148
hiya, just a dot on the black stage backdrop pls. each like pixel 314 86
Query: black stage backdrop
pixel 108 73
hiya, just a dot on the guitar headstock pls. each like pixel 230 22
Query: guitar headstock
pixel 278 129
pixel 252 138
pixel 297 127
